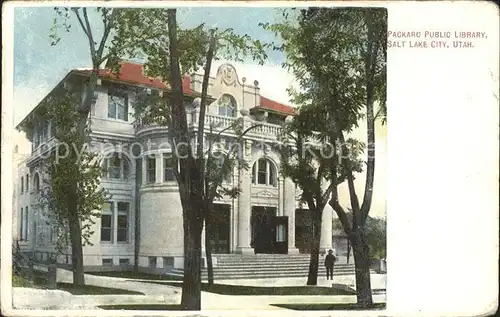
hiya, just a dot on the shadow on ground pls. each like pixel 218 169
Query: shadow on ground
pixel 223 289
pixel 377 306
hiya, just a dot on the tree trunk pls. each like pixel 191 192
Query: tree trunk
pixel 362 261
pixel 75 233
pixel 208 250
pixel 191 286
pixel 312 277
pixel 348 250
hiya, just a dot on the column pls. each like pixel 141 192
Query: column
pixel 326 228
pixel 115 221
pixel 203 250
pixel 281 195
pixel 159 168
pixel 289 210
pixel 244 213
pixel 144 169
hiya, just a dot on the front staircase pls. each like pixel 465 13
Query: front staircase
pixel 237 266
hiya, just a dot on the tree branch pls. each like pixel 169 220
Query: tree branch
pixel 89 34
pixel 77 13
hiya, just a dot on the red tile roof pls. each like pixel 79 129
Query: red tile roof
pixel 268 104
pixel 133 73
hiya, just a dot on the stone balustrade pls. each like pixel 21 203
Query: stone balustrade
pixel 218 123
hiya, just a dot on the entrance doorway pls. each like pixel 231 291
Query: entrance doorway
pixel 269 232
pixel 303 230
pixel 218 227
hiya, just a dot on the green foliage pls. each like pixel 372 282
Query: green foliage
pixel 70 164
pixel 327 50
pixel 375 235
pixel 144 33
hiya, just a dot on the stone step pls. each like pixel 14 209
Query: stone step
pixel 261 269
pixel 254 275
pixel 264 263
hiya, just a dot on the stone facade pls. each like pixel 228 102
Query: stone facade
pixel 145 199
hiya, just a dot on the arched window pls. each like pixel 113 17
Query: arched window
pixel 36 183
pixel 116 167
pixel 264 173
pixel 227 106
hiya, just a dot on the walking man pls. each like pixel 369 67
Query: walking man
pixel 329 261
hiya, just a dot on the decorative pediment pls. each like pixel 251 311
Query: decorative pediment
pixel 265 193
pixel 228 74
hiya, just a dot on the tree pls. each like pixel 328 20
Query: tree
pixel 375 231
pixel 73 175
pixel 306 159
pixel 170 53
pixel 100 50
pixel 338 56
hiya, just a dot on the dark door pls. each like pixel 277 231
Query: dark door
pixel 281 229
pixel 219 228
pixel 263 229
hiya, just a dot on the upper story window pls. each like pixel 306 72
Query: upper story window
pixel 22 184
pixel 116 167
pixel 264 173
pixel 52 128
pixel 219 162
pixel 118 106
pixel 168 166
pixel 227 106
pixel 27 182
pixel 36 183
pixel 151 169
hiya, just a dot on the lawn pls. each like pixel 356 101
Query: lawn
pixel 68 287
pixel 376 306
pixel 94 290
pixel 138 275
pixel 224 289
pixel 141 307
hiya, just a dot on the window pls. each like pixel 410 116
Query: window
pixel 116 167
pixel 219 161
pixel 21 225
pixel 151 170
pixel 124 262
pixel 107 262
pixel 152 262
pixel 280 233
pixel 118 106
pixel 264 173
pixel 53 234
pixel 168 166
pixel 123 211
pixel 22 184
pixel 52 128
pixel 107 222
pixel 36 183
pixel 27 182
pixel 168 261
pixel 45 131
pixel 26 217
pixel 227 106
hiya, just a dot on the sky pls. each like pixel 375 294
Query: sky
pixel 38 66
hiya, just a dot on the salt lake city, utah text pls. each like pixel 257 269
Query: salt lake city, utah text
pixel 434 39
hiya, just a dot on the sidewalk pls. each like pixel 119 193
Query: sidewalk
pixel 26 298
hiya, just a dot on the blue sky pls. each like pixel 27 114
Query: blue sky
pixel 38 66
